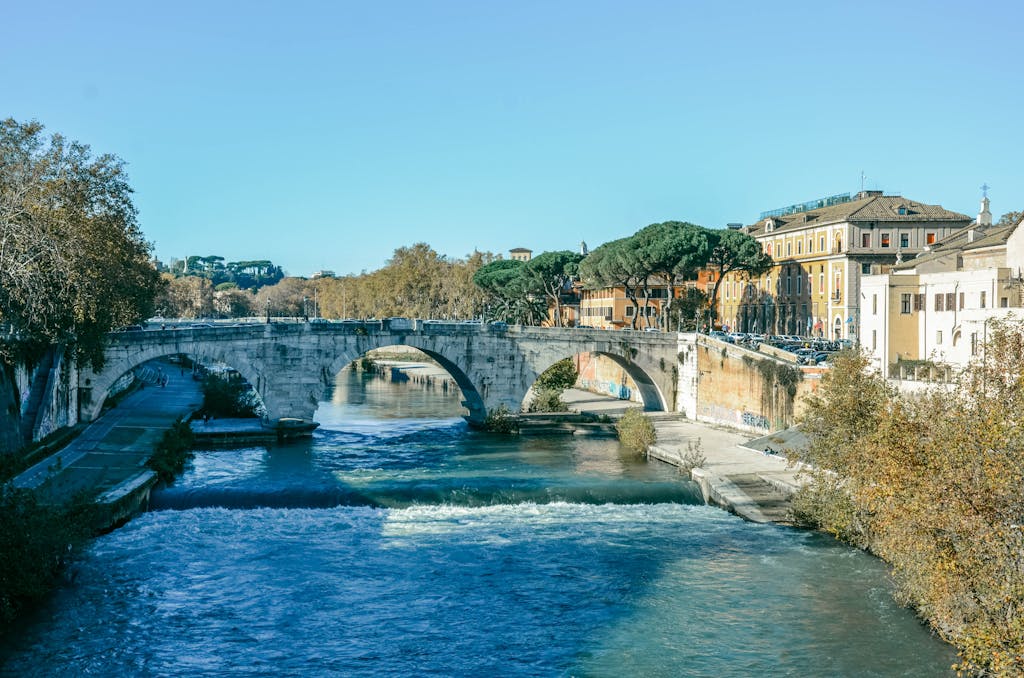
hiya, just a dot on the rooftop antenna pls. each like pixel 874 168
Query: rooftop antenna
pixel 862 177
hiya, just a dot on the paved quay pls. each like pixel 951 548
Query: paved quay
pixel 110 454
pixel 736 473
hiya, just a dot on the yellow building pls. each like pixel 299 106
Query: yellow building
pixel 821 249
pixel 609 308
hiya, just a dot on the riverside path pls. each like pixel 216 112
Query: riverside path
pixel 111 453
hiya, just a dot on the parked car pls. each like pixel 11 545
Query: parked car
pixel 720 335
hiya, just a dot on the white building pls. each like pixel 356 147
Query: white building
pixel 937 306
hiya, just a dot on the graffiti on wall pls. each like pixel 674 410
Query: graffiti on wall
pixel 728 415
pixel 599 374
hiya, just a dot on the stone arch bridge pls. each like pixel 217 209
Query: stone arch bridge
pixel 291 364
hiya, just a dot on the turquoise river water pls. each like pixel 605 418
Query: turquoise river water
pixel 399 543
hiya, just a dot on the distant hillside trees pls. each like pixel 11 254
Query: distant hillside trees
pixel 245 275
pixel 73 263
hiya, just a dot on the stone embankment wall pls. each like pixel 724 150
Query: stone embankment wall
pixel 10 411
pixel 748 390
pixel 37 399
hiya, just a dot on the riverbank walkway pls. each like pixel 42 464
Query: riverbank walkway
pixel 736 473
pixel 110 455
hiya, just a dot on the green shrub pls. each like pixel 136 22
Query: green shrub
pixel 228 397
pixel 171 453
pixel 548 400
pixel 636 431
pixel 501 420
pixel 560 376
pixel 692 458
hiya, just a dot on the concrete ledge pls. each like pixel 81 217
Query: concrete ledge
pixel 144 479
pixel 722 492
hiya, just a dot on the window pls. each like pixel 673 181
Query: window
pixel 919 302
pixel 874 304
pixel 885 240
pixel 905 304
pixel 821 283
pixel 938 336
pixel 810 245
pixel 939 305
pixel 768 249
pixel 799 284
pixel 950 301
pixel 865 269
pixel 929 238
pixel 904 240
pixel 821 242
pixel 1004 302
pixel 961 300
pixel 789 248
pixel 799 246
pixel 789 285
pixel 982 305
pixel 874 339
pixel 865 240
pixel 629 311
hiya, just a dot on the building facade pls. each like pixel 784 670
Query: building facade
pixel 937 307
pixel 611 308
pixel 821 250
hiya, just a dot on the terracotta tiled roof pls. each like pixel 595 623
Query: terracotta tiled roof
pixel 871 208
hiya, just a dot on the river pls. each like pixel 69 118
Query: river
pixel 399 543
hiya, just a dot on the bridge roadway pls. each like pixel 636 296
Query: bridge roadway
pixel 291 364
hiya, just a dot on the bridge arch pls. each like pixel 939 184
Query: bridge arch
pixel 650 394
pixel 94 388
pixel 472 399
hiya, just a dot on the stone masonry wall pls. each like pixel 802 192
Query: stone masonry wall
pixel 734 388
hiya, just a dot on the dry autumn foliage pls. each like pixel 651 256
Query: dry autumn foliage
pixel 934 485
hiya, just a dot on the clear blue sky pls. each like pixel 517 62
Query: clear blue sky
pixel 326 134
